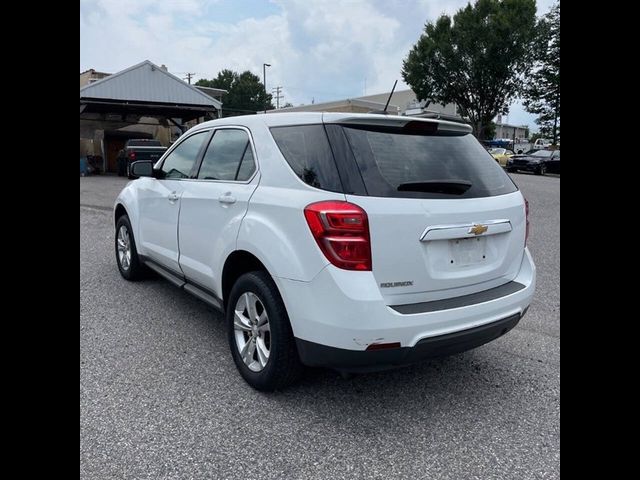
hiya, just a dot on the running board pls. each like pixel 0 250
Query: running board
pixel 204 296
pixel 197 292
pixel 177 281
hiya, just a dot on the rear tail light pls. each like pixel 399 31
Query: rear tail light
pixel 341 230
pixel 526 214
pixel 132 156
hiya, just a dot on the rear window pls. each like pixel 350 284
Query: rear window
pixel 396 163
pixel 306 149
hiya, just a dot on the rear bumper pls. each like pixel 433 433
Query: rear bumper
pixel 314 354
pixel 339 314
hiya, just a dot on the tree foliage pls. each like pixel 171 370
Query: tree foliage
pixel 490 130
pixel 542 92
pixel 246 92
pixel 477 59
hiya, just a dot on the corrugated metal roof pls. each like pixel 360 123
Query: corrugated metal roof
pixel 146 82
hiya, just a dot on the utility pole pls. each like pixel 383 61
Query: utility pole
pixel 278 96
pixel 188 78
pixel 555 118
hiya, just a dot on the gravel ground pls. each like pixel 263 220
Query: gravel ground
pixel 160 396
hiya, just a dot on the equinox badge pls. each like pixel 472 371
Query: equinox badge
pixel 396 284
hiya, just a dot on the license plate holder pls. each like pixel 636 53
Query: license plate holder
pixel 467 251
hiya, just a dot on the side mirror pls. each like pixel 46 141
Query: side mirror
pixel 141 168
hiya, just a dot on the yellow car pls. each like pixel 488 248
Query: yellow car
pixel 501 155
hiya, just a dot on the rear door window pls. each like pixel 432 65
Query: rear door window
pixel 228 157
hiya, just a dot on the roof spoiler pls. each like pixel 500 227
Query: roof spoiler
pixel 443 116
pixel 401 121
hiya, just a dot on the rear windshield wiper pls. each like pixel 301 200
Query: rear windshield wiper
pixel 457 187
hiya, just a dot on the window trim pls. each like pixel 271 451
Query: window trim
pixel 194 176
pixel 183 138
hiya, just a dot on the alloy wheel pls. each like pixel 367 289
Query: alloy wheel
pixel 124 247
pixel 252 331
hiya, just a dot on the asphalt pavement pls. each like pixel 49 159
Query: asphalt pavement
pixel 160 397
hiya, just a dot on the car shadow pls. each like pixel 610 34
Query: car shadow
pixel 467 385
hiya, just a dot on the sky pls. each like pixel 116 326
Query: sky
pixel 319 50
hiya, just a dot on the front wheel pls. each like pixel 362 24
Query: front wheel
pixel 126 254
pixel 260 335
pixel 542 169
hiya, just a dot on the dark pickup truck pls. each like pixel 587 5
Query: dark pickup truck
pixel 138 149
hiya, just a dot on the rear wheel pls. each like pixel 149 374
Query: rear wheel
pixel 542 169
pixel 260 335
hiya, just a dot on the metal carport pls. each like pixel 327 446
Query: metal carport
pixel 141 95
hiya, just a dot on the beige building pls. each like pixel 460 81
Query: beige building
pixel 403 102
pixel 90 76
pixel 408 103
pixel 353 105
pixel 518 132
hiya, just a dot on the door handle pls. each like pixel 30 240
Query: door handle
pixel 173 196
pixel 227 198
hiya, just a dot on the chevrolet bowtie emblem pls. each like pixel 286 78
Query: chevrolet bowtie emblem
pixel 478 229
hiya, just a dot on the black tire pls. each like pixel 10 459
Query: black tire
pixel 135 270
pixel 511 170
pixel 542 169
pixel 283 366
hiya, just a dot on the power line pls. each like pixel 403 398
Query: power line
pixel 188 77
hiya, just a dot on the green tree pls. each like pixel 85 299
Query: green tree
pixel 477 59
pixel 490 130
pixel 542 92
pixel 246 92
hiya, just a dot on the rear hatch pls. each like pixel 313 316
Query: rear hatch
pixel 444 218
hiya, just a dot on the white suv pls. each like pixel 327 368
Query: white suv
pixel 353 241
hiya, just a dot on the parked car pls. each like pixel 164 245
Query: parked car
pixel 139 149
pixel 542 143
pixel 536 161
pixel 553 165
pixel 501 155
pixel 357 242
